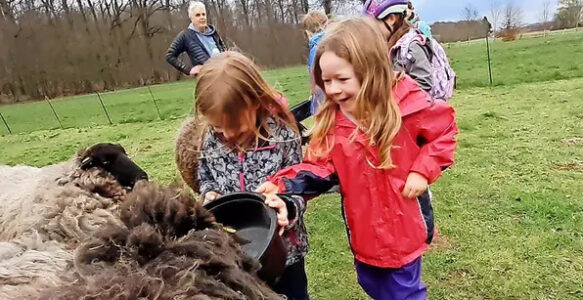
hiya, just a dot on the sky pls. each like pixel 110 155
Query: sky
pixel 452 10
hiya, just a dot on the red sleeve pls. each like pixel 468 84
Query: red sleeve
pixel 437 126
pixel 311 177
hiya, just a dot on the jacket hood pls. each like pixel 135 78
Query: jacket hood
pixel 209 31
pixel 315 39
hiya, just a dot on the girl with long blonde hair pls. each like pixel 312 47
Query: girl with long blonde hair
pixel 383 140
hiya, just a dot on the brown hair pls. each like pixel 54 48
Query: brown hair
pixel 229 87
pixel 361 43
pixel 314 22
pixel 401 27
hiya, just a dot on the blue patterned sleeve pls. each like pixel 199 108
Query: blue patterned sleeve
pixel 291 148
pixel 292 155
pixel 207 181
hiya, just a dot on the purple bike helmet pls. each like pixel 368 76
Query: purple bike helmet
pixel 380 9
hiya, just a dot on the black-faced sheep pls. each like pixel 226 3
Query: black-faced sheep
pixel 45 212
pixel 168 247
pixel 68 200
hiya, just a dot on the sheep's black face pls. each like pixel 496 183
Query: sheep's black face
pixel 113 159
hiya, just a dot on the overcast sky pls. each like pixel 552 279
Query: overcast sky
pixel 452 10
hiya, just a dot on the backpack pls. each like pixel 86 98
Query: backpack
pixel 443 76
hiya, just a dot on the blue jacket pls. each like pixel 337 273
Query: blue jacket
pixel 188 41
pixel 318 96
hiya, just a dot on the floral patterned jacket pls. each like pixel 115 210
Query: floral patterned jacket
pixel 225 170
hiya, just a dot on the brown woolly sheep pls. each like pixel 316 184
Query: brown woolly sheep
pixel 186 153
pixel 169 247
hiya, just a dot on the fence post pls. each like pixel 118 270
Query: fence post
pixel 5 123
pixel 105 110
pixel 489 64
pixel 155 104
pixel 54 112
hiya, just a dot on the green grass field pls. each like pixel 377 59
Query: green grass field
pixel 510 212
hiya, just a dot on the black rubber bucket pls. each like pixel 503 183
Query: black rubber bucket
pixel 256 223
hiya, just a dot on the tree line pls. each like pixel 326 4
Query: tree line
pixel 51 48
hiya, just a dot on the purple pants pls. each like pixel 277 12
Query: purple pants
pixel 392 284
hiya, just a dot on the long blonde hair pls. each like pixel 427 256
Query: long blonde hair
pixel 360 42
pixel 229 86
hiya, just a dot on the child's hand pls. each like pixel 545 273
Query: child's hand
pixel 275 202
pixel 195 70
pixel 416 185
pixel 267 188
pixel 210 196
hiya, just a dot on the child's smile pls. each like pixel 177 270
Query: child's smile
pixel 340 82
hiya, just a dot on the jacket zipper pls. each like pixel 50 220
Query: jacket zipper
pixel 241 174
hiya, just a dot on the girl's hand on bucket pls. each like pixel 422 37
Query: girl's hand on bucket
pixel 276 203
pixel 267 188
pixel 210 196
pixel 416 185
pixel 195 70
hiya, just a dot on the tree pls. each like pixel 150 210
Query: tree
pixel 327 4
pixel 6 10
pixel 512 16
pixel 470 12
pixel 545 15
pixel 570 12
pixel 64 47
pixel 495 14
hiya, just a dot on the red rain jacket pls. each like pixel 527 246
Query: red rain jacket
pixel 384 228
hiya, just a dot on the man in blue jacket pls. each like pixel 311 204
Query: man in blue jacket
pixel 200 41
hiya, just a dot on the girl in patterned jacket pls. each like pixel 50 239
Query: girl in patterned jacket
pixel 247 135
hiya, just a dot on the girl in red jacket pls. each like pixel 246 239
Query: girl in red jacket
pixel 384 140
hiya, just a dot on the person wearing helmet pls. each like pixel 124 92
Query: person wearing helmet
pixel 392 16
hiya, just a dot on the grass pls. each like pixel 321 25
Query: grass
pixel 174 100
pixel 527 60
pixel 510 212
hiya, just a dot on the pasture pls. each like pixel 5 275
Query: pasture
pixel 510 212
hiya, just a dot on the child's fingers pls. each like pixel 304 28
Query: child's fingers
pixel 406 191
pixel 411 191
pixel 210 196
pixel 267 188
pixel 278 204
pixel 282 221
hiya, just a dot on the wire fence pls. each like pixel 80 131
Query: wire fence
pixel 147 104
pixel 175 100
pixel 526 35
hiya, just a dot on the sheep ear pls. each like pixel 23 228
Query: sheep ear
pixel 86 162
pixel 122 148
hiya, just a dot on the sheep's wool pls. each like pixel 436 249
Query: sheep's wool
pixel 44 213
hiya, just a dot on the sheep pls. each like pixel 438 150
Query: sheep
pixel 186 152
pixel 45 212
pixel 151 242
pixel 66 201
pixel 169 247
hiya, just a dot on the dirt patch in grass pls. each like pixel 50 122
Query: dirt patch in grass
pixel 440 242
pixel 573 141
pixel 569 166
